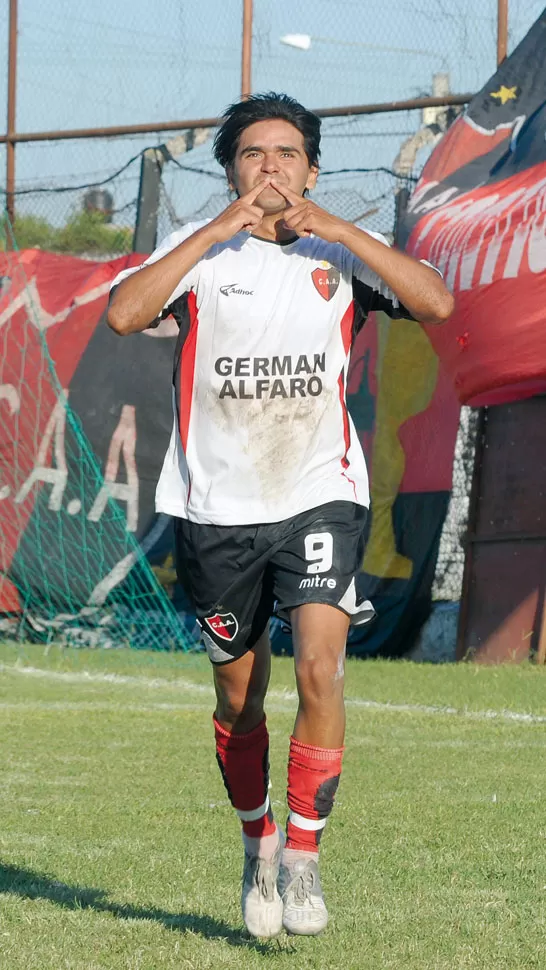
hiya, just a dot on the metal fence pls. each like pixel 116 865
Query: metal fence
pixel 74 67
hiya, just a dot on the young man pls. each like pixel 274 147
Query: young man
pixel 264 473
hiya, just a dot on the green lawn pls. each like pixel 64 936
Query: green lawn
pixel 119 848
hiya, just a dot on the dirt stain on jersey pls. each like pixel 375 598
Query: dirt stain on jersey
pixel 276 434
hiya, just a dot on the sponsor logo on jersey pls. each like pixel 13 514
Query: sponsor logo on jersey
pixel 325 280
pixel 224 625
pixel 317 582
pixel 234 289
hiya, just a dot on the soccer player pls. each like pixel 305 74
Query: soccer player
pixel 264 473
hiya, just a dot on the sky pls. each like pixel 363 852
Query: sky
pixel 83 65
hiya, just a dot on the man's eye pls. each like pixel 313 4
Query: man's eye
pixel 288 154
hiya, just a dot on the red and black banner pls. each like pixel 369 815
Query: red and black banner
pixel 479 214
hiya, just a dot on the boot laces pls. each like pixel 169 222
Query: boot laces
pixel 302 886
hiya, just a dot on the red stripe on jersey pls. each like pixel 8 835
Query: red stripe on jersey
pixel 346 429
pixel 346 325
pixel 187 370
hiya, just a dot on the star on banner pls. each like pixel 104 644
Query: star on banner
pixel 505 94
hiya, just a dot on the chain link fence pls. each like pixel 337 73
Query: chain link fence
pixel 381 50
pixel 80 67
pixel 57 216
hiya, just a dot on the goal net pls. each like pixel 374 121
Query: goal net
pixel 83 558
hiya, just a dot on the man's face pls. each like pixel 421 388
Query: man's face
pixel 274 148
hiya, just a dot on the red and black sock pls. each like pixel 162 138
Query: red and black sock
pixel 243 760
pixel 313 777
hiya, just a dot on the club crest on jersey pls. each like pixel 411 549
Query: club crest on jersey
pixel 224 625
pixel 325 280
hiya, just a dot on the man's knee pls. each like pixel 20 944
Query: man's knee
pixel 320 674
pixel 241 687
pixel 240 702
pixel 234 705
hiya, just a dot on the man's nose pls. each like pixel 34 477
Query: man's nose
pixel 270 163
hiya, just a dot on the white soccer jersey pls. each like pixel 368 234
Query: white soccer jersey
pixel 261 429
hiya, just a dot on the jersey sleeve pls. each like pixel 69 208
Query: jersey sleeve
pixel 187 282
pixel 372 293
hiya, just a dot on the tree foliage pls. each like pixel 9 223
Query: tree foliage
pixel 85 233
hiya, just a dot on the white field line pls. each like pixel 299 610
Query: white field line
pixel 290 696
pixel 105 706
pixel 87 677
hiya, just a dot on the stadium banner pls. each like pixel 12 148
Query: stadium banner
pixel 478 213
pixel 406 415
pixel 54 513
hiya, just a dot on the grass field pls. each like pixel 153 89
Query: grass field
pixel 119 848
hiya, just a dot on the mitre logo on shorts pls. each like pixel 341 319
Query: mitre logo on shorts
pixel 224 625
pixel 325 280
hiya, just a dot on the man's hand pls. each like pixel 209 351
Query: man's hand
pixel 240 215
pixel 305 217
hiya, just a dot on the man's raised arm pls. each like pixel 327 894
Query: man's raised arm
pixel 417 286
pixel 140 298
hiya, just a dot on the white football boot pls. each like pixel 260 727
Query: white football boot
pixel 304 909
pixel 260 901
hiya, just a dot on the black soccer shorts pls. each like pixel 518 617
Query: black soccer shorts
pixel 238 576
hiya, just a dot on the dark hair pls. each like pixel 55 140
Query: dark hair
pixel 263 107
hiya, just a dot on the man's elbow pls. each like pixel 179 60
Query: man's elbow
pixel 441 310
pixel 118 321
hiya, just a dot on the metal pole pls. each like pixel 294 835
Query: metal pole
pixel 12 85
pixel 402 198
pixel 409 105
pixel 246 66
pixel 342 112
pixel 151 168
pixel 502 30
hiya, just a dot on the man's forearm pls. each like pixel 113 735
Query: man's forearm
pixel 418 287
pixel 139 299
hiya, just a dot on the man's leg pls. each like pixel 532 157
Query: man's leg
pixel 223 569
pixel 241 687
pixel 242 743
pixel 316 748
pixel 242 751
pixel 320 635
